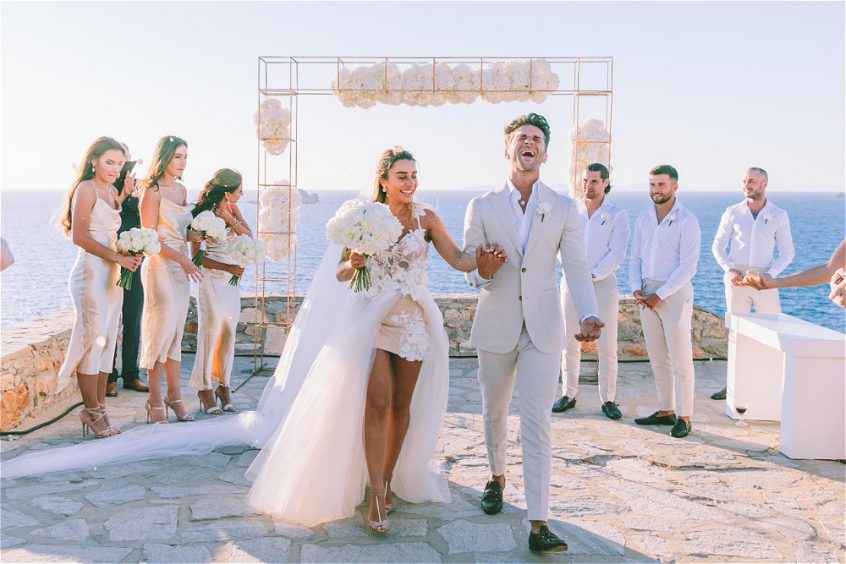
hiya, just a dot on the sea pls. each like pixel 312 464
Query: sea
pixel 36 285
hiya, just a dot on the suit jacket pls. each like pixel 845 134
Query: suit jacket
pixel 525 290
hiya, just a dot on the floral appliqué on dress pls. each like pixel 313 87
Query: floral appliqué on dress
pixel 402 269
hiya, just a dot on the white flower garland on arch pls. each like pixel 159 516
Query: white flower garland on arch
pixel 592 144
pixel 273 126
pixel 436 84
pixel 275 229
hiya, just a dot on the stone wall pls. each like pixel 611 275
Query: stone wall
pixel 33 352
pixel 709 334
pixel 32 355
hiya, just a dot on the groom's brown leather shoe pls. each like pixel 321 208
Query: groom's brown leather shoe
pixel 492 498
pixel 136 384
pixel 111 389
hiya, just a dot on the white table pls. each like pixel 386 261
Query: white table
pixel 792 371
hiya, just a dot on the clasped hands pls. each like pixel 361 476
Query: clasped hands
pixel 489 258
pixel 647 300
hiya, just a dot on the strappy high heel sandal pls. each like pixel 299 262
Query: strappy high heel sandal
pixel 389 507
pixel 95 421
pixel 379 527
pixel 150 408
pixel 170 404
pixel 102 409
pixel 226 405
pixel 214 409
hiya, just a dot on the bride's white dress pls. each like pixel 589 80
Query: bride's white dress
pixel 310 418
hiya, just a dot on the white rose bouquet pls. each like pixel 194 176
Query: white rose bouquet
pixel 136 241
pixel 244 250
pixel 211 227
pixel 364 227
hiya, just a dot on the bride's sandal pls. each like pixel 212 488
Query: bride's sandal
pixel 181 414
pixel 379 527
pixel 208 404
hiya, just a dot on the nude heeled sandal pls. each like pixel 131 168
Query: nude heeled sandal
pixel 379 527
pixel 169 404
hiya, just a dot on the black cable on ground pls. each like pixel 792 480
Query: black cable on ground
pixel 40 425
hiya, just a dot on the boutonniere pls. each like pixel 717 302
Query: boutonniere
pixel 672 217
pixel 604 217
pixel 543 209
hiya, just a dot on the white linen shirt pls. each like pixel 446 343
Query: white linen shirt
pixel 753 241
pixel 522 220
pixel 667 252
pixel 606 238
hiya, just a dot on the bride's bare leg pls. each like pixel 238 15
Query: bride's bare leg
pixel 405 373
pixel 376 409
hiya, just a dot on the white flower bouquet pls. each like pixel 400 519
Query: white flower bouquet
pixel 364 227
pixel 211 227
pixel 245 250
pixel 136 241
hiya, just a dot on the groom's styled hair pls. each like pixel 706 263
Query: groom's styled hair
pixel 528 119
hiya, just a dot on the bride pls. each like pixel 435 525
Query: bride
pixel 358 395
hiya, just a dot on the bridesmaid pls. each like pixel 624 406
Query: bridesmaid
pixel 91 219
pixel 219 302
pixel 166 277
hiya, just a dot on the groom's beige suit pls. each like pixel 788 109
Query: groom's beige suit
pixel 518 330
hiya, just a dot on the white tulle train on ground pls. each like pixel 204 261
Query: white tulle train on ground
pixel 311 468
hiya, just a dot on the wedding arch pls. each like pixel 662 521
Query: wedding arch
pixel 414 81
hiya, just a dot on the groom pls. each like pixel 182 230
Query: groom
pixel 519 328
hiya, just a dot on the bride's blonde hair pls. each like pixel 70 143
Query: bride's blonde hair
pixel 388 159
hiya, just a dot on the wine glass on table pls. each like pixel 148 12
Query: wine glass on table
pixel 740 406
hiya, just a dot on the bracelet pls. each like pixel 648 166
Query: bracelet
pixel 236 224
pixel 117 256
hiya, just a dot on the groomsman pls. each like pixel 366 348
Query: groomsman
pixel 753 230
pixel 606 234
pixel 665 252
pixel 519 327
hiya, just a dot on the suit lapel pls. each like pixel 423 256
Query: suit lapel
pixel 501 203
pixel 534 231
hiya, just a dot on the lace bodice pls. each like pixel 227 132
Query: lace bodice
pixel 402 268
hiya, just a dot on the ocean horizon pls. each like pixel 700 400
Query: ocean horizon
pixel 36 284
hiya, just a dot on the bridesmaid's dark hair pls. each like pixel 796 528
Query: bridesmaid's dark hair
pixel 224 181
pixel 162 155
pixel 388 159
pixel 86 172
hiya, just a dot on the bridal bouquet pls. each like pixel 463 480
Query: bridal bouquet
pixel 136 241
pixel 364 227
pixel 245 250
pixel 211 227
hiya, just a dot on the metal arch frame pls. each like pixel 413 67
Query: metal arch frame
pixel 280 76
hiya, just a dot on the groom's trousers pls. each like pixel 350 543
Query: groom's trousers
pixel 536 374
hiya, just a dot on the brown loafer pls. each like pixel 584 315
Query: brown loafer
pixel 137 385
pixel 111 389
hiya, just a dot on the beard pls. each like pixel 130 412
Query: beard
pixel 660 198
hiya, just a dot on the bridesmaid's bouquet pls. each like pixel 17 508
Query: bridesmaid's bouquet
pixel 364 227
pixel 244 250
pixel 211 227
pixel 136 241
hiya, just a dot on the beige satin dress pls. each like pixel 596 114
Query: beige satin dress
pixel 97 300
pixel 219 308
pixel 165 290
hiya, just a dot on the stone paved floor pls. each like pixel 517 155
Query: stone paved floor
pixel 619 493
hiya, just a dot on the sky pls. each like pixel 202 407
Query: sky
pixel 711 88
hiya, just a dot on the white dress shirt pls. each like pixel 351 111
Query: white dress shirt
pixel 522 219
pixel 753 241
pixel 667 252
pixel 606 238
